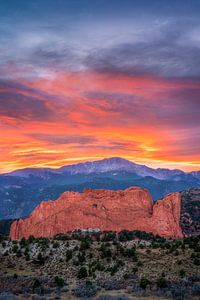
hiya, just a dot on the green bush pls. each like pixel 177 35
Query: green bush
pixel 109 236
pixel 81 257
pixel 40 259
pixel 55 245
pixel 82 273
pixel 144 282
pixel 22 242
pixel 130 252
pixel 99 267
pixel 114 269
pixel 68 255
pixel 85 244
pixel 27 257
pixel 3 244
pixel 36 284
pixel 19 253
pixel 31 239
pixel 196 261
pixel 61 237
pixel 161 282
pixel 59 281
pixel 15 248
pixel 140 264
pixel 135 270
pixel 182 273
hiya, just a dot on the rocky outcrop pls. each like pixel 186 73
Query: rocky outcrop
pixel 132 209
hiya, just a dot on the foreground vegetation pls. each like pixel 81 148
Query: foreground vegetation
pixel 85 263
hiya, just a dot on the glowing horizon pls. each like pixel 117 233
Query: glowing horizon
pixel 73 161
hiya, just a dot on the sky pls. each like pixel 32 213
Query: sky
pixel 82 80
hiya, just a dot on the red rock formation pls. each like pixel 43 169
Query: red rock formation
pixel 132 209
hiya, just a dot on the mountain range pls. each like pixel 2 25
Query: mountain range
pixel 107 165
pixel 22 190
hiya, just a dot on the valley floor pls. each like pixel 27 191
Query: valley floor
pixel 102 266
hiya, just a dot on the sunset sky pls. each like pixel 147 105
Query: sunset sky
pixel 87 79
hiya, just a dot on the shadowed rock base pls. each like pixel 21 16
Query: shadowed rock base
pixel 132 209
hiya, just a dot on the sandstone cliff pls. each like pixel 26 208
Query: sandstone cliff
pixel 132 209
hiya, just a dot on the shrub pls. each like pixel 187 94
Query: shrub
pixel 36 284
pixel 22 242
pixel 135 270
pixel 140 264
pixel 15 248
pixel 144 282
pixel 106 253
pixel 68 255
pixel 59 281
pixel 196 261
pixel 161 282
pixel 3 244
pixel 176 253
pixel 19 253
pixel 100 267
pixel 27 257
pixel 182 273
pixel 90 255
pixel 193 255
pixel 40 259
pixel 26 252
pixel 130 252
pixel 125 235
pixel 85 244
pixel 61 237
pixel 31 239
pixel 179 262
pixel 109 236
pixel 81 257
pixel 55 245
pixel 114 269
pixel 82 273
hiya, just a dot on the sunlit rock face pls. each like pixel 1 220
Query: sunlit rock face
pixel 132 209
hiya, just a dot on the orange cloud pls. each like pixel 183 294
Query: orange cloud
pixel 85 116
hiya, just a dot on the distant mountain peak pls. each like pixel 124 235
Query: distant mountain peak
pixel 107 165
